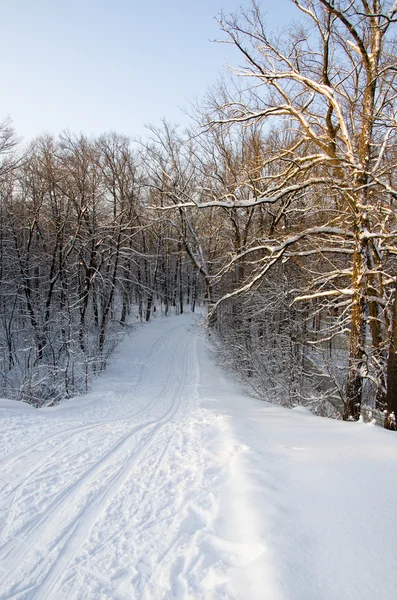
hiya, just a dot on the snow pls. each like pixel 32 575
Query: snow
pixel 168 481
pixel 14 404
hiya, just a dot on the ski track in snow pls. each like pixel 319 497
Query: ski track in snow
pixel 168 482
pixel 124 507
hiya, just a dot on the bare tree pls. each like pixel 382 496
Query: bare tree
pixel 333 84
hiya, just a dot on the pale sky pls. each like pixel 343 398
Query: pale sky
pixel 93 66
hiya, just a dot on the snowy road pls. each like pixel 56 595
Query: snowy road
pixel 167 482
pixel 116 495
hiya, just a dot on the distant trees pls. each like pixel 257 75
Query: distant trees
pixel 9 158
pixel 82 244
pixel 72 262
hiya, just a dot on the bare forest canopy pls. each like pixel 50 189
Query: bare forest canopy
pixel 278 208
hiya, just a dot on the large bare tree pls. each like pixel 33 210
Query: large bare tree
pixel 330 80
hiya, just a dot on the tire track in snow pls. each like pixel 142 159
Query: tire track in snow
pixel 156 347
pixel 53 580
pixel 175 521
pixel 45 523
pixel 109 454
pixel 48 459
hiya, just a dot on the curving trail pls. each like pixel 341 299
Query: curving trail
pixel 119 498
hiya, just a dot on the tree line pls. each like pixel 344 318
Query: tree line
pixel 76 253
pixel 278 209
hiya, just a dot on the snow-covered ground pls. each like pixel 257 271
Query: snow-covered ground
pixel 167 481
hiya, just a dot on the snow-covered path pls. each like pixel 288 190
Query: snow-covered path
pixel 117 495
pixel 167 482
pixel 85 502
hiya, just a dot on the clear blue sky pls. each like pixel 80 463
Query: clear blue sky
pixel 95 66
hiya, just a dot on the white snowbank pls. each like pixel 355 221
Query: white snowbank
pixel 14 405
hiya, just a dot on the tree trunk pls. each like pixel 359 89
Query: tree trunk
pixel 354 387
pixel 391 397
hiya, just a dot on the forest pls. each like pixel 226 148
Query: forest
pixel 275 209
